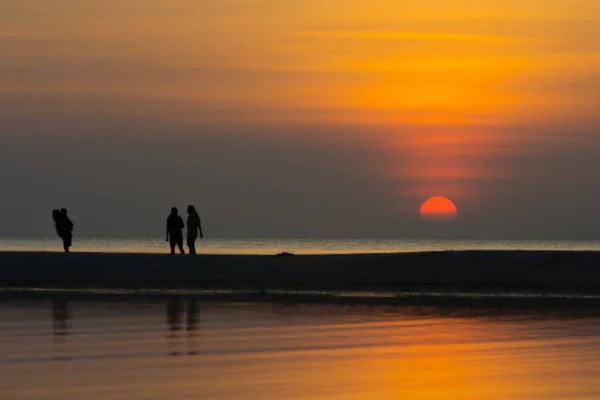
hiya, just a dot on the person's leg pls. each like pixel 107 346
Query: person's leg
pixel 191 243
pixel 180 244
pixel 66 242
pixel 172 243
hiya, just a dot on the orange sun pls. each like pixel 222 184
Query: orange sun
pixel 438 208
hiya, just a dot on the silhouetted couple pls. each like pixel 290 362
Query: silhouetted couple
pixel 175 228
pixel 64 227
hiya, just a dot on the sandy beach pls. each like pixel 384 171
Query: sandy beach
pixel 543 271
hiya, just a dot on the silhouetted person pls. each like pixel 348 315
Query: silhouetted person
pixel 194 227
pixel 175 231
pixel 64 227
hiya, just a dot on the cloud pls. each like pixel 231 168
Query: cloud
pixel 408 36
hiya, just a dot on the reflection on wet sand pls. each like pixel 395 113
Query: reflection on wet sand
pixel 60 317
pixel 274 351
pixel 193 325
pixel 61 327
pixel 177 310
pixel 178 344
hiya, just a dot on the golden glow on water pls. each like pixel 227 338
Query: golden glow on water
pixel 274 351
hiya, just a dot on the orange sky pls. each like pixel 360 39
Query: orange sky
pixel 395 62
pixel 431 83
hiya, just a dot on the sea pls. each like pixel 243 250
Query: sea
pixel 295 246
pixel 71 346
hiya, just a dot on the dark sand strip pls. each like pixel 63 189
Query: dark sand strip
pixel 452 271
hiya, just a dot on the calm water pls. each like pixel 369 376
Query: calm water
pixel 297 246
pixel 178 349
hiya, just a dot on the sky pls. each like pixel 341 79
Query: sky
pixel 312 118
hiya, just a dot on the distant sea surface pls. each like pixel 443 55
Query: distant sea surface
pixel 296 246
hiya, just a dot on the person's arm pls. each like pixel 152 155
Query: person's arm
pixel 200 228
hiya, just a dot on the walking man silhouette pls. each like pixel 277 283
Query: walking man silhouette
pixel 175 231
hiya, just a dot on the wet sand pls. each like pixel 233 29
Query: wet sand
pixel 64 349
pixel 540 271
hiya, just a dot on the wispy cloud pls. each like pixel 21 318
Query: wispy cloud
pixel 407 35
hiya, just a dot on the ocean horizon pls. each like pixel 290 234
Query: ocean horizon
pixel 260 246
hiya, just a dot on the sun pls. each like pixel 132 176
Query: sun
pixel 438 208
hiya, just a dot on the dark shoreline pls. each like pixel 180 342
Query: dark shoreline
pixel 543 272
pixel 422 304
